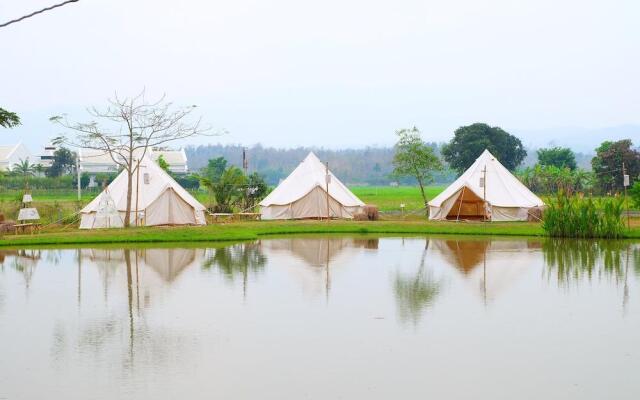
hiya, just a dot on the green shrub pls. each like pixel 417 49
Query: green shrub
pixel 634 193
pixel 579 217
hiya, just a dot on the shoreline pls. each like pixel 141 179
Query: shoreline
pixel 241 231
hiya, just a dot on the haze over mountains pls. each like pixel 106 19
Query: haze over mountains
pixel 371 165
pixel 583 140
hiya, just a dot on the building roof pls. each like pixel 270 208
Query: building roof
pixel 7 150
pixel 172 157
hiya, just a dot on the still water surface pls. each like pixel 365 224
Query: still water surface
pixel 324 318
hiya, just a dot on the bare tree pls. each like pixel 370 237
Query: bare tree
pixel 130 126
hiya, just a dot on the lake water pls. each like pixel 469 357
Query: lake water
pixel 324 318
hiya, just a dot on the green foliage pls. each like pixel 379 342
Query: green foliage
pixel 470 141
pixel 545 179
pixel 162 163
pixel 227 190
pixel 64 161
pixel 634 193
pixel 607 164
pixel 579 217
pixel 560 157
pixel 101 178
pixel 8 119
pixel 40 183
pixel 24 168
pixel 214 169
pixel 189 181
pixel 413 157
pixel 255 191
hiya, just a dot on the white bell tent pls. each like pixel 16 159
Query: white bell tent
pixel 303 194
pixel 487 190
pixel 157 199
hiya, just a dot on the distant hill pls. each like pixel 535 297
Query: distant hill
pixel 367 166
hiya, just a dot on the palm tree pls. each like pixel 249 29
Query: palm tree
pixel 25 169
pixel 227 190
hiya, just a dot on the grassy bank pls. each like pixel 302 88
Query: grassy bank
pixel 254 230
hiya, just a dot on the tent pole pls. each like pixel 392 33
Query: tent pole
pixel 137 188
pixel 460 206
pixel 78 173
pixel 326 178
pixel 484 194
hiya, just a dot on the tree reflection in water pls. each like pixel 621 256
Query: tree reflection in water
pixel 130 337
pixel 236 260
pixel 415 293
pixel 573 260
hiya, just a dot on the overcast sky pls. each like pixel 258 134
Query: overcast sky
pixel 333 73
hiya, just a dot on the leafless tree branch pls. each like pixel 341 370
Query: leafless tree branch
pixel 13 21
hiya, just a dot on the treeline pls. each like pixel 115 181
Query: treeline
pixel 370 166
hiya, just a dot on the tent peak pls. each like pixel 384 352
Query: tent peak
pixel 311 156
pixel 487 153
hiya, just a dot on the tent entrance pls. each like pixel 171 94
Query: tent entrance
pixel 468 205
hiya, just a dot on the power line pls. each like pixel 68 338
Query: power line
pixel 13 21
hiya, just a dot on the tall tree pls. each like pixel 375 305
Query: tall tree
pixel 131 126
pixel 214 169
pixel 413 157
pixel 561 157
pixel 64 162
pixel 607 164
pixel 8 119
pixel 470 141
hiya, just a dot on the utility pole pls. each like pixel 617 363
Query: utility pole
pixel 245 168
pixel 484 192
pixel 327 179
pixel 78 173
pixel 625 183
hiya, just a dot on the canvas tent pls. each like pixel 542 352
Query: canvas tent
pixel 501 197
pixel 157 198
pixel 303 194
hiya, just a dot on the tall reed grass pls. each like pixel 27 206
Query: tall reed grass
pixel 579 217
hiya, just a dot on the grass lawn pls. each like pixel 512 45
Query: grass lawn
pixel 389 198
pixel 237 231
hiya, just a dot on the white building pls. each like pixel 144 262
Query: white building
pixel 46 157
pixel 13 154
pixel 96 162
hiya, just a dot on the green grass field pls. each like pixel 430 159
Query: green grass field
pixel 238 231
pixel 388 198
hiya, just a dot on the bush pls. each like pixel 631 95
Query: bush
pixel 634 193
pixel 18 182
pixel 579 217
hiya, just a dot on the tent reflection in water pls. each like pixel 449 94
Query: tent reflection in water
pixel 157 197
pixel 491 265
pixel 303 194
pixel 310 261
pixel 485 191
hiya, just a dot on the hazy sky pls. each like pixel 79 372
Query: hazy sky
pixel 332 73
